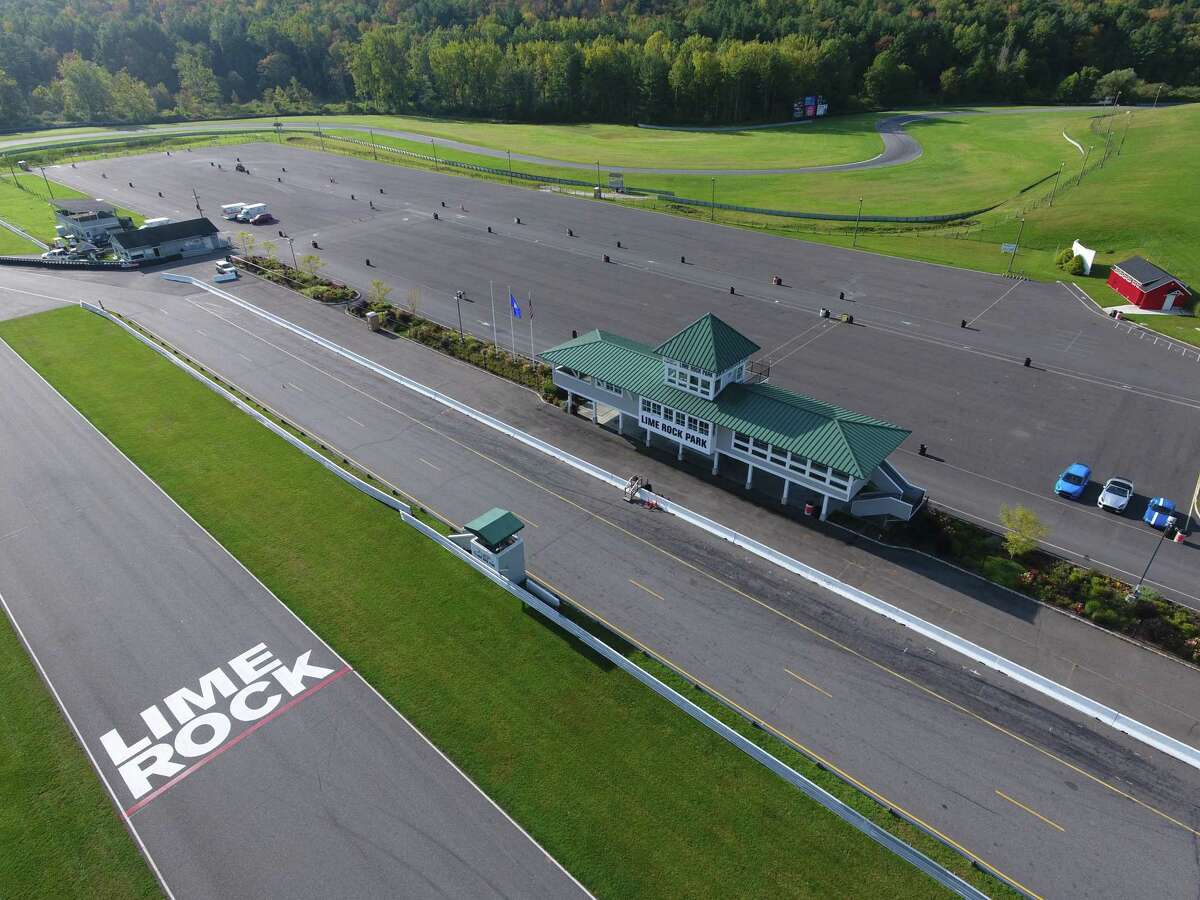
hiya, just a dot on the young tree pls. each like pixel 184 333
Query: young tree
pixel 311 265
pixel 268 249
pixel 1024 530
pixel 413 303
pixel 379 292
pixel 247 240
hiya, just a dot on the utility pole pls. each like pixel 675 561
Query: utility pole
pixel 374 152
pixel 321 135
pixel 1083 168
pixel 1054 190
pixel 1128 121
pixel 857 219
pixel 1156 93
pixel 458 297
pixel 532 353
pixel 292 243
pixel 196 197
pixel 597 173
pixel 1016 247
pixel 433 144
pixel 47 180
pixel 509 152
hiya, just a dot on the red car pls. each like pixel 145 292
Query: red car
pixel 262 219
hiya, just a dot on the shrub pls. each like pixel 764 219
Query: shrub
pixel 1064 257
pixel 1075 266
pixel 1024 530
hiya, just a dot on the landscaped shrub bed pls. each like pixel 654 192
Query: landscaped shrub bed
pixel 483 354
pixel 309 284
pixel 1084 592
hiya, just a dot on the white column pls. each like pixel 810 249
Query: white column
pixel 594 414
pixel 679 455
pixel 570 400
pixel 749 474
pixel 620 422
pixel 716 461
pixel 786 484
pixel 824 507
pixel 647 437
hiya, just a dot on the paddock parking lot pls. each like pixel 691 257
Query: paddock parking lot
pixel 997 431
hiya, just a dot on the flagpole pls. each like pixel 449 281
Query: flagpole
pixel 512 323
pixel 492 291
pixel 532 352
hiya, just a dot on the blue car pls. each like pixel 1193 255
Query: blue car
pixel 1158 510
pixel 1073 480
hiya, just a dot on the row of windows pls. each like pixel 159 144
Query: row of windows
pixel 699 426
pixel 686 378
pixel 784 459
pixel 589 379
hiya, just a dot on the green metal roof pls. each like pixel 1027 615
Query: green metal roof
pixel 709 344
pixel 847 441
pixel 495 526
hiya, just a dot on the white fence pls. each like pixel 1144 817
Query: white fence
pixel 1045 686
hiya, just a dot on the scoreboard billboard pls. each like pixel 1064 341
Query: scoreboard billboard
pixel 809 107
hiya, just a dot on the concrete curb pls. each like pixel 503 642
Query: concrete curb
pixel 1048 688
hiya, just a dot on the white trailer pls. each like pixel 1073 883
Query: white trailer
pixel 250 210
pixel 232 210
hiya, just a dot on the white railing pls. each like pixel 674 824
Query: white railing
pixel 1031 679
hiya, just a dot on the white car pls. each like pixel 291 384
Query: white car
pixel 1116 495
pixel 57 253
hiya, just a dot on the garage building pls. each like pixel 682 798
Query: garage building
pixel 1147 286
pixel 174 240
pixel 700 393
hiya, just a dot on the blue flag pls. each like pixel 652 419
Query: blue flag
pixel 516 307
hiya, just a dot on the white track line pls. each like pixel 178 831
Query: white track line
pixel 1078 146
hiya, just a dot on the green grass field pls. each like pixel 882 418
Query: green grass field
pixel 631 795
pixel 60 834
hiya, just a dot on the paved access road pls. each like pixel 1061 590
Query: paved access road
pixel 997 433
pixel 282 774
pixel 1064 806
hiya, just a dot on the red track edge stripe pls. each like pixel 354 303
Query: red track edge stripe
pixel 161 789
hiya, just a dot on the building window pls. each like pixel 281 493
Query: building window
pixel 689 378
pixel 607 386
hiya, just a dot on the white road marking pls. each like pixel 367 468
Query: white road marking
pixel 245 357
pixel 428 463
pixel 205 333
pixel 356 422
pixel 296 386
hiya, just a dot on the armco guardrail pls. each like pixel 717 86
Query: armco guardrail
pixel 543 601
pixel 36 262
pixel 1045 686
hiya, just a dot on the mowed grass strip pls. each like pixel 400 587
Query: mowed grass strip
pixel 632 796
pixel 60 835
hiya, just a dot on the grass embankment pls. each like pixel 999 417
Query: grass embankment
pixel 632 796
pixel 60 834
pixel 24 202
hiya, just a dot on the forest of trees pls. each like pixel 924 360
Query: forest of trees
pixel 578 60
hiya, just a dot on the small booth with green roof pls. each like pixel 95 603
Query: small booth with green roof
pixel 700 392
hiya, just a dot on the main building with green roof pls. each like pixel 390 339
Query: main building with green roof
pixel 698 390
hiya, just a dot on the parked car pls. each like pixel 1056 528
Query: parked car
pixel 57 253
pixel 1116 495
pixel 262 219
pixel 1073 480
pixel 1158 510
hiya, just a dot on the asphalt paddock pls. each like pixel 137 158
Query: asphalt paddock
pixel 997 432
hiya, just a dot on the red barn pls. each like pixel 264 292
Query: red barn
pixel 1146 285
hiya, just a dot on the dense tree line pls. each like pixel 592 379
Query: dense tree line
pixel 617 60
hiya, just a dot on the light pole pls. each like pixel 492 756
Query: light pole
pixel 1054 190
pixel 857 219
pixel 292 244
pixel 1156 93
pixel 712 203
pixel 509 152
pixel 47 180
pixel 1137 588
pixel 433 144
pixel 1016 247
pixel 374 152
pixel 597 173
pixel 321 135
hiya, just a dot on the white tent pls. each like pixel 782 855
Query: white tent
pixel 1088 255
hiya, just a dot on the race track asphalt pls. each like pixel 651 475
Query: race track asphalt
pixel 952 745
pixel 124 600
pixel 997 433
